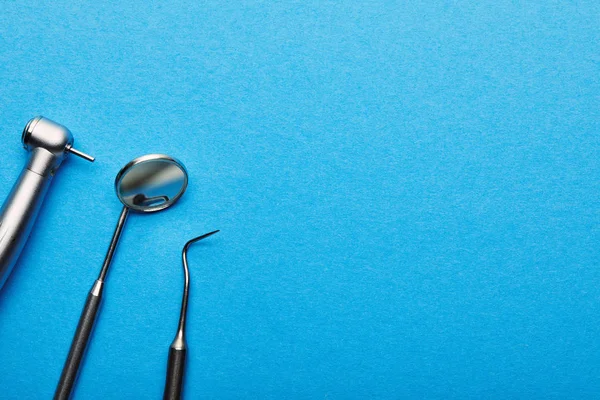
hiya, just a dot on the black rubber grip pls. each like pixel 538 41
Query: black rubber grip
pixel 175 371
pixel 78 347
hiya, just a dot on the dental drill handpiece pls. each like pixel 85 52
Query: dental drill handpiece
pixel 49 144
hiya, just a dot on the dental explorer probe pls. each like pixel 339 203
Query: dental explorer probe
pixel 178 349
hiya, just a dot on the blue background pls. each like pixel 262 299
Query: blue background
pixel 407 194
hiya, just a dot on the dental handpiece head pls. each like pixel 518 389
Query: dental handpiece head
pixel 51 142
pixel 48 144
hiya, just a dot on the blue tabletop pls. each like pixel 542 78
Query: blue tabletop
pixel 407 195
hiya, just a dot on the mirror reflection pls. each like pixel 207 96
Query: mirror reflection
pixel 152 184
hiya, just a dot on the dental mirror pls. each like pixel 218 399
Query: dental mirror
pixel 151 183
pixel 147 184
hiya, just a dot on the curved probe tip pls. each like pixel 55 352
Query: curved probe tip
pixel 194 240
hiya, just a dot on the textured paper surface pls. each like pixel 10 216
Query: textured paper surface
pixel 407 194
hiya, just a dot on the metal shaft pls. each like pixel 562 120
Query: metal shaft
pixel 87 320
pixel 178 349
pixel 113 243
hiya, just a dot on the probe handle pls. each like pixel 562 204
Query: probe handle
pixel 175 371
pixel 79 343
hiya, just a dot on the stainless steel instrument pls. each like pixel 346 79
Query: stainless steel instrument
pixel 147 184
pixel 178 349
pixel 49 144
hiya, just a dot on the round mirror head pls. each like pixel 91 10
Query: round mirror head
pixel 151 183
